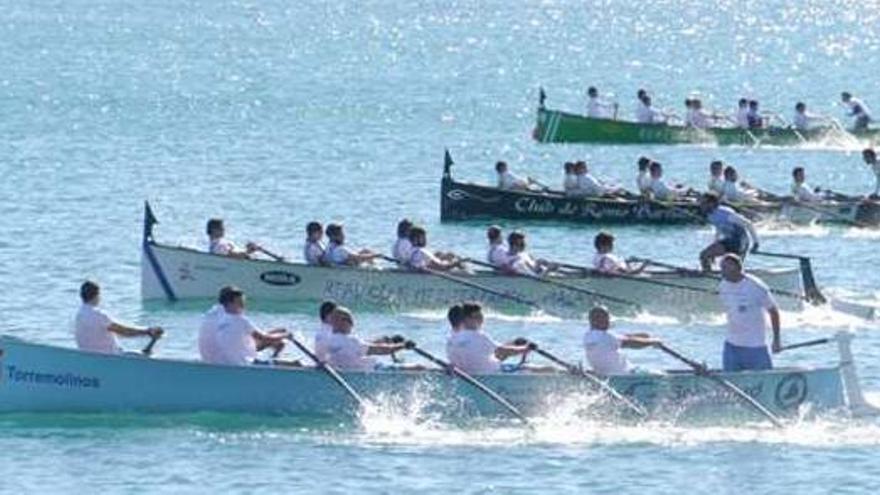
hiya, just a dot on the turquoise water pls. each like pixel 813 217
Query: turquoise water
pixel 272 114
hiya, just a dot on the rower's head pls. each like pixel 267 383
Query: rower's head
pixel 501 167
pixel 743 103
pixel 335 233
pixel 800 107
pixel 516 242
pixel 342 320
pixel 730 174
pixel 569 168
pixel 592 92
pixel 580 167
pixel 418 236
pixel 403 228
pixel 471 316
pixel 731 267
pixel 753 104
pixel 215 228
pixel 232 299
pixel 716 168
pixel 314 231
pixel 656 170
pixel 604 242
pixel 90 293
pixel 697 104
pixel 869 156
pixel 845 96
pixel 222 294
pixel 326 310
pixel 708 202
pixel 455 315
pixel 493 233
pixel 644 162
pixel 600 318
pixel 641 94
pixel 799 174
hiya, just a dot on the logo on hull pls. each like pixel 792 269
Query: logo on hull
pixel 279 277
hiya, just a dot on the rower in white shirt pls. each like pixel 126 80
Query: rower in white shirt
pixel 455 317
pixel 208 349
pixel 643 179
pixel 799 188
pixel 219 245
pixel 324 330
pixel 237 339
pixel 747 302
pixel 859 112
pixel 742 114
pixel 314 250
pixel 605 261
pixel 507 181
pixel 804 120
pixel 521 262
pixel 734 191
pixel 497 255
pixel 597 108
pixel 569 182
pixel 473 351
pixel 756 121
pixel 338 254
pixel 347 352
pixel 587 185
pixel 716 177
pixel 870 158
pixel 402 249
pixel 96 331
pixel 423 259
pixel 647 114
pixel 640 102
pixel 696 117
pixel 602 348
pixel 659 188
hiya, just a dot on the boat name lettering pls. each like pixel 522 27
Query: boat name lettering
pixel 280 277
pixel 69 380
pixel 533 205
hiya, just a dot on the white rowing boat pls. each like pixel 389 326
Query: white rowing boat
pixel 42 378
pixel 174 273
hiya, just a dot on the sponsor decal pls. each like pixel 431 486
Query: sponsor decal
pixel 791 391
pixel 15 374
pixel 280 277
pixel 185 272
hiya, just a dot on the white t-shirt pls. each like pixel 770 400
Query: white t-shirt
pixel 698 119
pixel 313 252
pixel 609 263
pixel 92 331
pixel 597 109
pixel 208 333
pixel 348 353
pixel 322 336
pixel 523 263
pixel 221 246
pixel 569 183
pixel 587 185
pixel 732 193
pixel 508 181
pixel 802 192
pixel 643 181
pixel 662 191
pixel 602 349
pixel 422 258
pixel 716 185
pixel 337 254
pixel 742 118
pixel 235 341
pixel 647 115
pixel 497 255
pixel 402 250
pixel 745 303
pixel 473 352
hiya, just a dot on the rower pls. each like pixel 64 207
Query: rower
pixel 799 188
pixel 641 94
pixel 646 114
pixel 208 328
pixel 96 331
pixel 643 179
pixel 605 261
pixel 659 188
pixel 732 231
pixel 716 179
pixel 497 255
pixel 402 249
pixel 338 254
pixel 746 299
pixel 325 329
pixel 596 108
pixel 217 244
pixel 474 352
pixel 731 191
pixel 507 181
pixel 602 348
pixel 870 158
pixel 569 183
pixel 346 352
pixel 860 112
pixel 314 249
pixel 238 339
pixel 696 116
pixel 742 113
pixel 423 259
pixel 803 120
pixel 588 185
pixel 520 261
pixel 754 116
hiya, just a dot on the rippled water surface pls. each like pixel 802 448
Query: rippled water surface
pixel 273 113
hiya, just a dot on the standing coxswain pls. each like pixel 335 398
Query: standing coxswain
pixel 96 331
pixel 870 158
pixel 734 232
pixel 859 112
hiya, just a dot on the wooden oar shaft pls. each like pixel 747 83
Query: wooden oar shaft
pixel 702 371
pixel 469 380
pixel 636 278
pixel 149 347
pixel 276 257
pixel 808 343
pixel 332 373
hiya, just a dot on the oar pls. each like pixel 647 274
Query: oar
pixel 595 380
pixel 332 373
pixel 701 370
pixel 474 285
pixel 469 380
pixel 824 211
pixel 148 350
pixel 808 343
pixel 563 285
pixel 811 289
pixel 276 257
pixel 636 278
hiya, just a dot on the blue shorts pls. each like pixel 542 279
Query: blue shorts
pixel 737 244
pixel 736 358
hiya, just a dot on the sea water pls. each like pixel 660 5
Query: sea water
pixel 271 114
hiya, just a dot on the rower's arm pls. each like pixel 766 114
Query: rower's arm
pixel 638 342
pixel 274 338
pixel 775 324
pixel 127 331
pixel 380 349
pixel 503 352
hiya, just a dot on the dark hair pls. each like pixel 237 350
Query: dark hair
pixel 326 308
pixel 728 170
pixel 710 197
pixel 592 90
pixel 88 291
pixel 312 227
pixel 568 167
pixel 641 93
pixel 222 295
pixel 797 170
pixel 655 166
pixel 403 227
pixel 753 103
pixel 493 233
pixel 500 165
pixel 513 236
pixel 644 162
pixel 229 294
pixel 213 224
pixel 469 309
pixel 603 239
pixel 743 102
pixel 332 229
pixel 416 231
pixel 455 315
pixel 800 106
pixel 716 163
pixel 869 152
pixel 846 95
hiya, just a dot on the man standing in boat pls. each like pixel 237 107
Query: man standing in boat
pixel 598 109
pixel 734 232
pixel 96 331
pixel 747 303
pixel 602 348
pixel 218 244
pixel 859 112
pixel 870 158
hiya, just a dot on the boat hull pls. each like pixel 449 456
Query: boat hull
pixel 40 378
